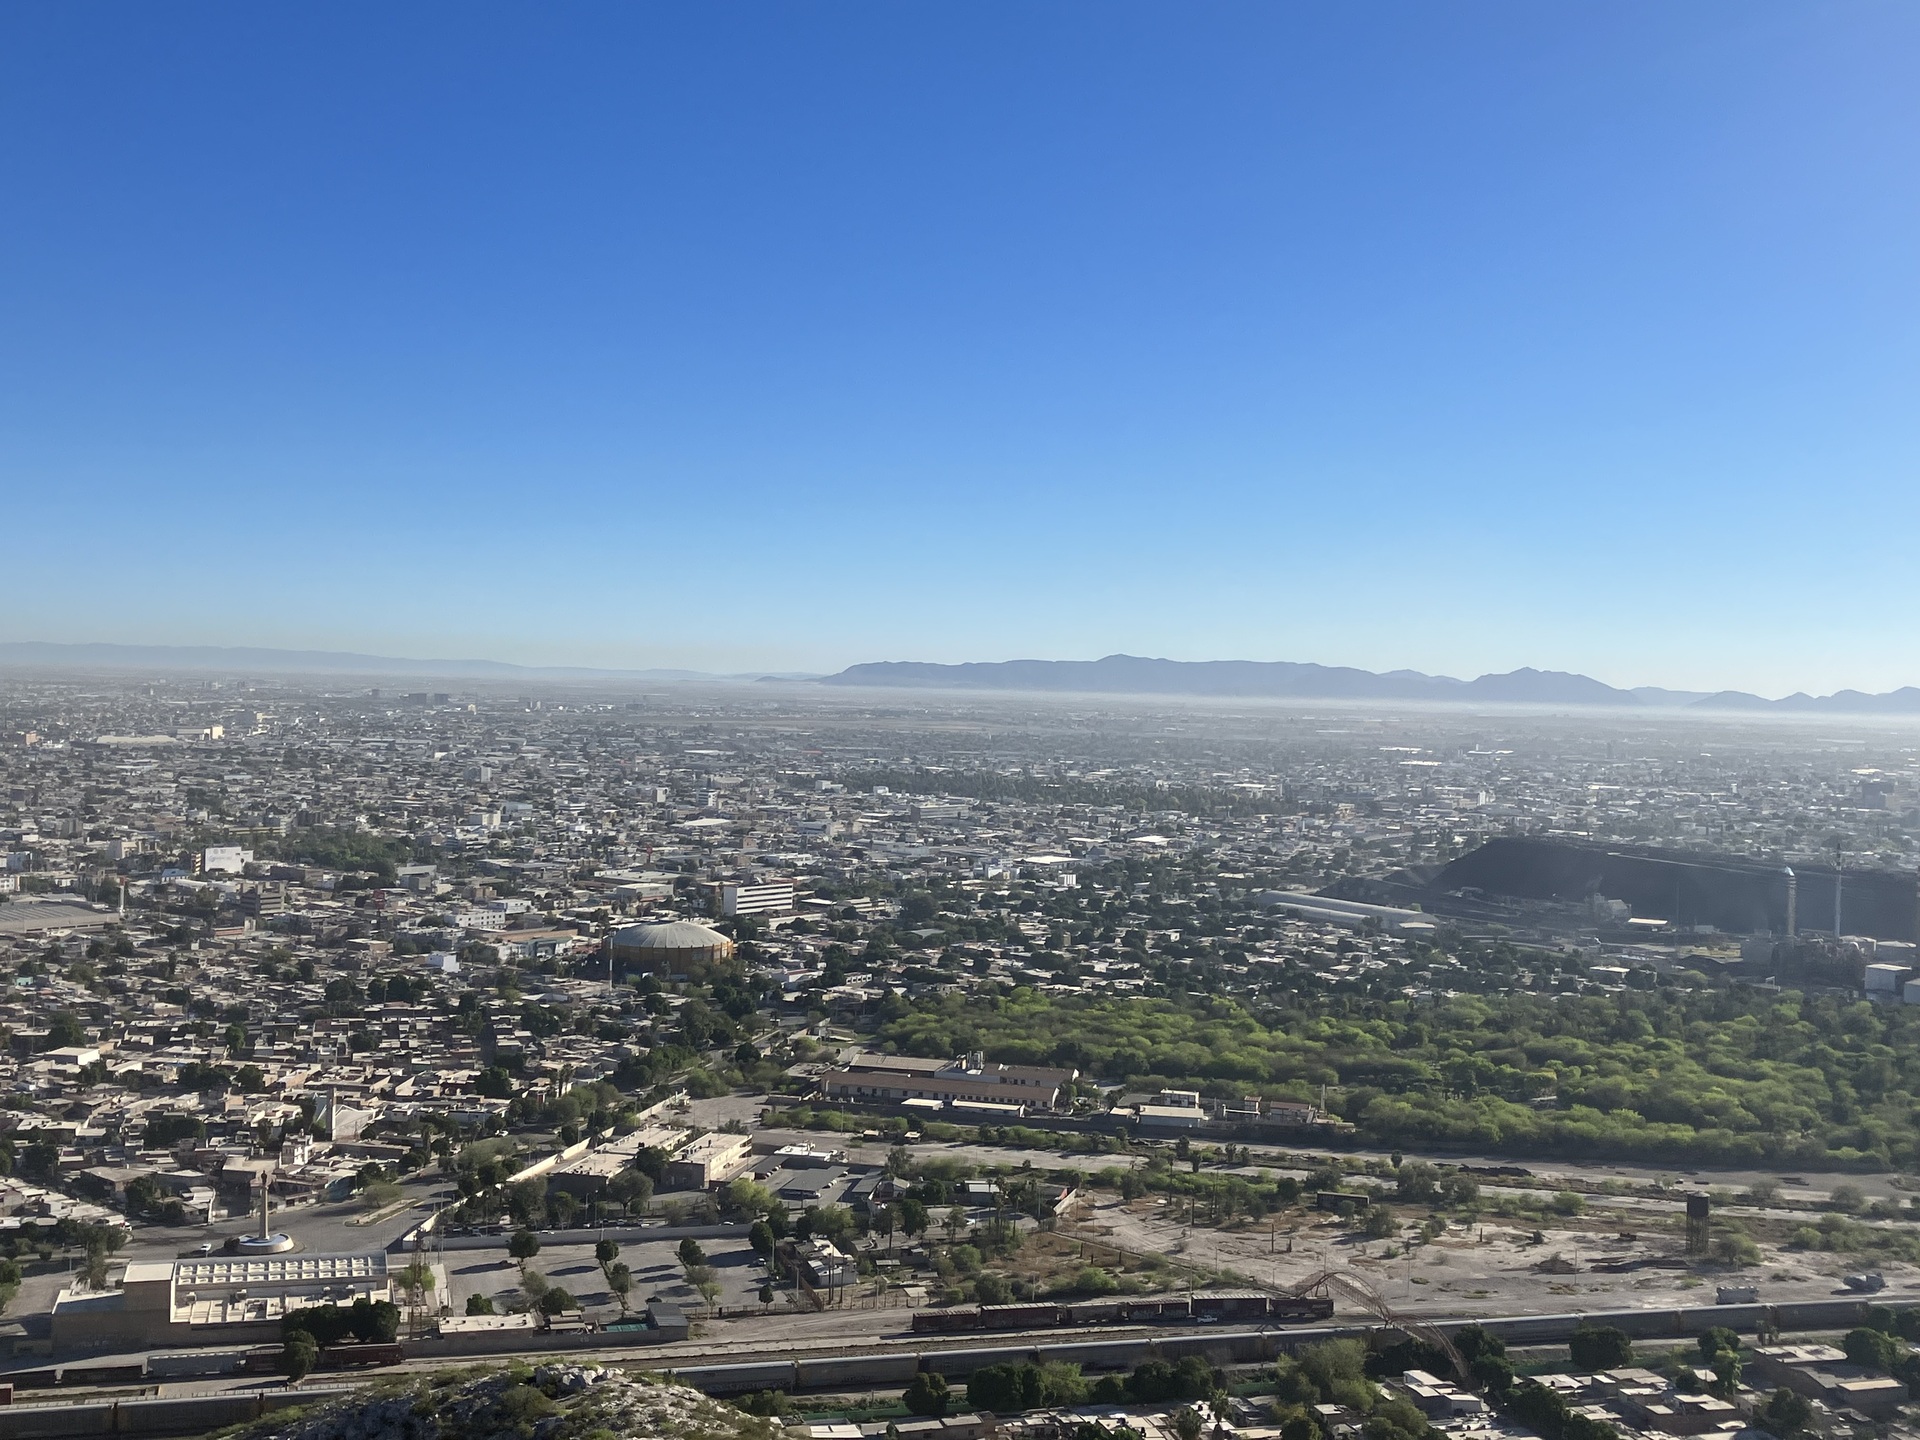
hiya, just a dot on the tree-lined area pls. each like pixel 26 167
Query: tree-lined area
pixel 1720 1076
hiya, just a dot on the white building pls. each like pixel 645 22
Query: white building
pixel 775 897
pixel 224 860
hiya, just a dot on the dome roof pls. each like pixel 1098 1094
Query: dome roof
pixel 671 935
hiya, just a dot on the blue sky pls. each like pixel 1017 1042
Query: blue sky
pixel 1452 336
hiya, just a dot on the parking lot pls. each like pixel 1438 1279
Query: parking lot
pixel 657 1275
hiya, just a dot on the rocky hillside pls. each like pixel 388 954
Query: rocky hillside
pixel 553 1402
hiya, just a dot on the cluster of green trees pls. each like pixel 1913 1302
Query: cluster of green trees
pixel 305 1333
pixel 1334 1372
pixel 1026 1386
pixel 341 849
pixel 1489 1371
pixel 1884 1341
pixel 1200 801
pixel 164 1130
pixel 1719 1352
pixel 1720 1076
pixel 1600 1347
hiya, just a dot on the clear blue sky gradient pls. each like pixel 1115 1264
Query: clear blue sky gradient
pixel 1455 336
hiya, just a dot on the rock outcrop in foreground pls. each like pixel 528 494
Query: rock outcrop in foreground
pixel 552 1402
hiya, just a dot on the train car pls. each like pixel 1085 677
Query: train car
pixel 1019 1317
pixel 1231 1305
pixel 1541 1329
pixel 1221 1347
pixel 1096 1312
pixel 358 1356
pixel 896 1369
pixel 947 1320
pixel 738 1379
pixel 1161 1308
pixel 959 1363
pixel 1733 1317
pixel 1819 1314
pixel 1098 1354
pixel 1299 1309
pixel 103 1374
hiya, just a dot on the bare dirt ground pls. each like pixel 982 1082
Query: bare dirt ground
pixel 1492 1267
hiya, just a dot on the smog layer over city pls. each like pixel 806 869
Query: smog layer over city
pixel 1045 722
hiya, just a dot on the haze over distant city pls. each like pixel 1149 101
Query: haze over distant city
pixel 1452 339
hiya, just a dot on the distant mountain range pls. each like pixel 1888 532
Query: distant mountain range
pixel 222 659
pixel 1114 675
pixel 1254 679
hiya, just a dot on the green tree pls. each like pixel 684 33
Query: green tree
pixel 1337 1371
pixel 478 1304
pixel 913 1216
pixel 927 1394
pixel 376 1322
pixel 1872 1349
pixel 1785 1414
pixel 1025 1386
pixel 533 1285
pixel 1600 1347
pixel 1417 1182
pixel 691 1253
pixel 523 1245
pixel 1712 1341
pixel 298 1352
pixel 1459 1191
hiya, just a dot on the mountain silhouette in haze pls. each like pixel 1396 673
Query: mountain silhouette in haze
pixel 1281 679
pixel 1113 675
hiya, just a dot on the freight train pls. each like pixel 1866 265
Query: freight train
pixel 1234 1346
pixel 1244 1307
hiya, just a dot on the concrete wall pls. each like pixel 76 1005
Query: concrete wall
pixel 183 1415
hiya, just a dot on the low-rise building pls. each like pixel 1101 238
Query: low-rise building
pixel 892 1079
pixel 218 1300
pixel 710 1160
pixel 1822 1372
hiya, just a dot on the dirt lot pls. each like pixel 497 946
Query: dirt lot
pixel 1492 1267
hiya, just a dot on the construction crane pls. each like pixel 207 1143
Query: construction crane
pixel 1364 1294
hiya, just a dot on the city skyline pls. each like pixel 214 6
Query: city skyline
pixel 732 340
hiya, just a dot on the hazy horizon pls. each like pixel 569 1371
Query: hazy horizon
pixel 216 660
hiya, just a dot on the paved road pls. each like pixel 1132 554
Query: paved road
pixel 324 1229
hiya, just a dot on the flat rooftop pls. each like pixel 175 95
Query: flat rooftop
pixel 279 1270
